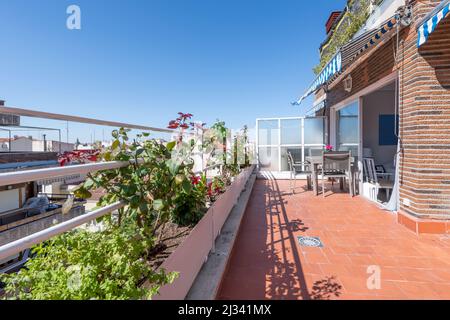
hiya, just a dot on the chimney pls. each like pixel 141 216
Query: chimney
pixel 332 20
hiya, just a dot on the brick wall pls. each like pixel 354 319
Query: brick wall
pixel 424 80
pixel 425 119
pixel 374 68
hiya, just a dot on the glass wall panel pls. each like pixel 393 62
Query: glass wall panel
pixel 278 137
pixel 296 153
pixel 348 128
pixel 268 158
pixel 291 131
pixel 313 151
pixel 314 131
pixel 353 149
pixel 268 132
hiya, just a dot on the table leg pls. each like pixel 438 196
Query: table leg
pixel 315 180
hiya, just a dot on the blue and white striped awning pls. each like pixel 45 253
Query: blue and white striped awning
pixel 431 22
pixel 333 67
pixel 348 53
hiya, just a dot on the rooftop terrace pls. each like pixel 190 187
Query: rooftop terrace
pixel 269 263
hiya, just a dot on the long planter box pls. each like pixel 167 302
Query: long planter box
pixel 189 257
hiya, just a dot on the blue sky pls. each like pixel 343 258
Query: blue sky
pixel 142 61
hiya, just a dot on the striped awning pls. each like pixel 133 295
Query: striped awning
pixel 348 53
pixel 431 22
pixel 333 67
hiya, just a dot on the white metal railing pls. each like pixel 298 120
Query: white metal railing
pixel 17 246
pixel 9 178
pixel 17 177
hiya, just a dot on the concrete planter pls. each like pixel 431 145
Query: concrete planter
pixel 189 257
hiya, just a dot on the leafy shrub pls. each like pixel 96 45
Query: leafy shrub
pixel 85 265
pixel 157 187
pixel 190 205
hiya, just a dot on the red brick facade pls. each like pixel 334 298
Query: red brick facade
pixel 425 126
pixel 424 97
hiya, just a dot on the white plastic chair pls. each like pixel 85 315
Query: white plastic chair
pixel 371 177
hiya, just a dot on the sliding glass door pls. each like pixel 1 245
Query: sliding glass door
pixel 347 128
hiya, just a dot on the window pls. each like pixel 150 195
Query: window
pixel 348 128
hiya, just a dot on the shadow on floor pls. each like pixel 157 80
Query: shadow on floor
pixel 265 263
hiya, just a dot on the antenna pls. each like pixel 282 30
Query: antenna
pixel 67 132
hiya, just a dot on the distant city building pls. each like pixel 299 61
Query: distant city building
pixel 28 144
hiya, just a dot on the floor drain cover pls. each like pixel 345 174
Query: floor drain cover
pixel 310 242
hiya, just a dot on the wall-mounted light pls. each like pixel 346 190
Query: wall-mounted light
pixel 348 83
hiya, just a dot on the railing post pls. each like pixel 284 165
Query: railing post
pixel 213 247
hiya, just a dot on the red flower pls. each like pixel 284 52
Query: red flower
pixel 173 124
pixel 195 180
pixel 184 116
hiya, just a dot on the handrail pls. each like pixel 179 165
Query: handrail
pixel 17 246
pixel 10 178
pixel 63 117
pixel 27 242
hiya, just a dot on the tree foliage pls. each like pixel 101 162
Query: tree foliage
pixel 354 19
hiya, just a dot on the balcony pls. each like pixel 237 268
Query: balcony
pixel 280 243
pixel 358 239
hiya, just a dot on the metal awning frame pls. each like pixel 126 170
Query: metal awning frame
pixel 373 38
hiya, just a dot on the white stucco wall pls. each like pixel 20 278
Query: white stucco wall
pixel 22 144
pixel 9 199
pixel 52 146
pixel 386 10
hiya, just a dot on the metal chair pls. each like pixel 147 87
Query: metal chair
pixel 337 164
pixel 298 168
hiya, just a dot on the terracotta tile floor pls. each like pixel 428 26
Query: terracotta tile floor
pixel 268 262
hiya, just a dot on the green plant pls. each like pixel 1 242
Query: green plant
pixel 220 135
pixel 153 186
pixel 158 187
pixel 216 187
pixel 190 206
pixel 82 265
pixel 353 20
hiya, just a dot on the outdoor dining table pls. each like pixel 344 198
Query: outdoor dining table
pixel 317 161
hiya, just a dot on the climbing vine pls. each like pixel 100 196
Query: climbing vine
pixel 353 20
